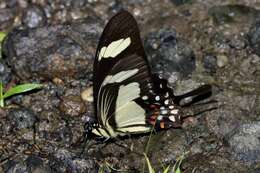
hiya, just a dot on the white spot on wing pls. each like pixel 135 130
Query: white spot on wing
pixel 119 77
pixel 101 53
pixel 164 112
pixel 159 117
pixel 166 102
pixel 174 111
pixel 172 118
pixel 114 48
pixel 121 47
pixel 171 106
pixel 157 98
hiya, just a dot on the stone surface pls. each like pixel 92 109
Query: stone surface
pixel 22 118
pixel 169 54
pixel 245 142
pixel 53 51
pixel 34 16
pixel 190 43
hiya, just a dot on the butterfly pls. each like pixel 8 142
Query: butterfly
pixel 128 98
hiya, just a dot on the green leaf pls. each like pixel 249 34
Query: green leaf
pixel 167 169
pixel 2 36
pixel 21 89
pixel 178 170
pixel 151 170
pixel 176 167
pixel 101 170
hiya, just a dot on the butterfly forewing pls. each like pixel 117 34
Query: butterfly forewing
pixel 120 40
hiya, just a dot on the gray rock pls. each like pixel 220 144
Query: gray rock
pixel 169 54
pixel 238 42
pixel 210 63
pixel 34 16
pixel 6 18
pixel 72 106
pixel 18 168
pixel 180 2
pixel 53 51
pixel 32 164
pixel 233 13
pixel 5 73
pixel 222 60
pixel 254 37
pixel 245 142
pixel 64 161
pixel 36 165
pixel 22 118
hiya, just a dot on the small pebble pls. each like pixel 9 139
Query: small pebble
pixel 222 60
pixel 22 118
pixel 72 105
pixel 87 94
pixel 34 16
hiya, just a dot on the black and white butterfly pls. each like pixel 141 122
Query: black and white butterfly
pixel 128 99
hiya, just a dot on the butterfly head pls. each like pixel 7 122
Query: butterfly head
pixel 91 127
